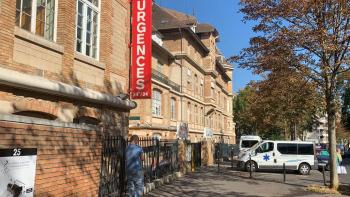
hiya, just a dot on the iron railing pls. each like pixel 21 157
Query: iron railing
pixel 160 158
pixel 112 174
pixel 164 79
pixel 225 151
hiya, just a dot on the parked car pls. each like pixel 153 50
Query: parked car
pixel 296 155
pixel 323 160
pixel 320 147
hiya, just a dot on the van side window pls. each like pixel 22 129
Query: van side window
pixel 285 148
pixel 248 143
pixel 305 149
pixel 266 147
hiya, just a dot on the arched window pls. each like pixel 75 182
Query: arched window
pixel 36 114
pixel 157 103
pixel 202 116
pixel 195 84
pixel 195 114
pixel 173 108
pixel 189 119
pixel 86 120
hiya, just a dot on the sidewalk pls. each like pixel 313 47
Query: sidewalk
pixel 207 182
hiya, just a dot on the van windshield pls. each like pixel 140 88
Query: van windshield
pixel 248 143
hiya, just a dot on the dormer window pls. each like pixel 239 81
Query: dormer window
pixel 157 38
pixel 193 28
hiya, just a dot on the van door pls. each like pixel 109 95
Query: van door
pixel 306 153
pixel 287 154
pixel 264 155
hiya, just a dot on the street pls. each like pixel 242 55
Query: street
pixel 231 182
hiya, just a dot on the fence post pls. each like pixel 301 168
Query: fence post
pixel 157 162
pixel 284 172
pixel 218 157
pixel 324 177
pixel 231 157
pixel 250 166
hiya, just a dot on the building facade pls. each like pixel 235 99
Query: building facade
pixel 319 132
pixel 64 71
pixel 192 82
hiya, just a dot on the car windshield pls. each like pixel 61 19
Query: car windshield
pixel 249 143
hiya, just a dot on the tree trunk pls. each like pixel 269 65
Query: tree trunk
pixel 286 137
pixel 286 134
pixel 292 131
pixel 331 112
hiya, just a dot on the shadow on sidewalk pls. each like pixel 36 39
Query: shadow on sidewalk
pixel 203 183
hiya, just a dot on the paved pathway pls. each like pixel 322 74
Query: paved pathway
pixel 207 182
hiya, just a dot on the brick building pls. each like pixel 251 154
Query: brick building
pixel 192 82
pixel 63 73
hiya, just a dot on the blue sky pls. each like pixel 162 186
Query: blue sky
pixel 223 14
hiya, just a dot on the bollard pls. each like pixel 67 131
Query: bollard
pixel 324 177
pixel 218 161
pixel 232 158
pixel 284 172
pixel 250 166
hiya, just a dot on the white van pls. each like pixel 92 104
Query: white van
pixel 247 141
pixel 296 155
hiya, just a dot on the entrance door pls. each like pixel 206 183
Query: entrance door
pixel 265 155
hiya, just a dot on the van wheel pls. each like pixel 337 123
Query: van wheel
pixel 304 169
pixel 251 163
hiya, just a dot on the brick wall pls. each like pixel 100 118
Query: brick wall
pixel 68 160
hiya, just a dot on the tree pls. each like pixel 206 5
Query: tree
pixel 242 117
pixel 292 100
pixel 346 107
pixel 276 106
pixel 314 36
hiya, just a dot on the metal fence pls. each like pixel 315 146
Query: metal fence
pixel 112 172
pixel 161 159
pixel 225 151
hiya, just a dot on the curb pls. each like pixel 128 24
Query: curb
pixel 162 181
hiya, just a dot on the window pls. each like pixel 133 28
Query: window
pixel 202 116
pixel 305 149
pixel 173 108
pixel 36 114
pixel 201 88
pixel 266 147
pixel 195 84
pixel 189 112
pixel 37 16
pixel 159 66
pixel 285 148
pixel 248 143
pixel 196 114
pixel 87 27
pixel 156 103
pixel 86 120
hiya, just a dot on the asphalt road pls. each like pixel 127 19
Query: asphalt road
pixel 232 182
pixel 208 182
